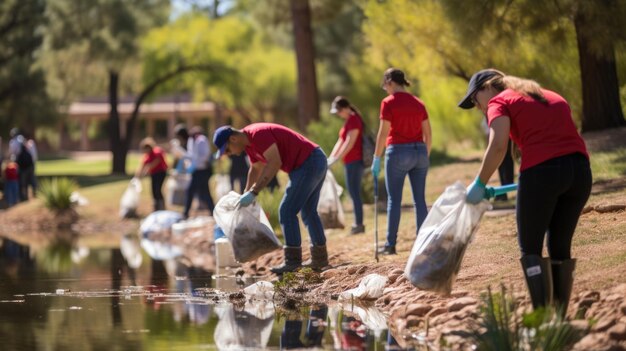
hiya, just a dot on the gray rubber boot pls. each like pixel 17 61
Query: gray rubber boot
pixel 563 280
pixel 293 260
pixel 319 258
pixel 538 274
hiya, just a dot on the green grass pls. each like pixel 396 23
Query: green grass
pixel 606 165
pixel 66 166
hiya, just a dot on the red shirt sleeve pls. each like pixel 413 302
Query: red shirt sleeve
pixel 385 110
pixel 352 123
pixel 497 108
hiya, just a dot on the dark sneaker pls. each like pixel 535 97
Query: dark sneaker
pixel 387 250
pixel 357 229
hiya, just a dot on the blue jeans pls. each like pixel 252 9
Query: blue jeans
pixel 302 195
pixel 354 176
pixel 11 192
pixel 400 160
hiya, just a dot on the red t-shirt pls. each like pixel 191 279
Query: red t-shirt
pixel 406 114
pixel 10 172
pixel 356 153
pixel 293 148
pixel 541 131
pixel 156 153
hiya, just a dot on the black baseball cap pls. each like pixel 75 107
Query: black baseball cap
pixel 475 83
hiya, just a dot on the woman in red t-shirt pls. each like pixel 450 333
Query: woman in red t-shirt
pixel 405 131
pixel 153 163
pixel 349 149
pixel 554 181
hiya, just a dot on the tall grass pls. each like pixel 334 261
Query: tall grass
pixel 501 329
pixel 56 193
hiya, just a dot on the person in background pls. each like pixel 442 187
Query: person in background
pixel 154 164
pixel 238 171
pixel 271 147
pixel 349 149
pixel 555 176
pixel 11 183
pixel 199 154
pixel 506 169
pixel 31 146
pixel 18 150
pixel 405 131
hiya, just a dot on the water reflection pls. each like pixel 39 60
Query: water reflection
pixel 106 301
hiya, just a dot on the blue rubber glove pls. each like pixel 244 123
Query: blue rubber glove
pixel 246 199
pixel 376 166
pixel 191 168
pixel 476 192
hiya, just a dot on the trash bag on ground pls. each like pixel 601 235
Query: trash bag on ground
pixel 130 199
pixel 329 206
pixel 437 253
pixel 370 288
pixel 176 188
pixel 247 228
pixel 222 185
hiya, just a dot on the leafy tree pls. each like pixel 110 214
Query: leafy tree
pixel 23 98
pixel 253 82
pixel 599 26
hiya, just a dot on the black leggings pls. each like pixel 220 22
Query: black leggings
pixel 550 197
pixel 157 185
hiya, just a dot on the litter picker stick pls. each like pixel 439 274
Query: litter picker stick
pixel 376 218
pixel 499 190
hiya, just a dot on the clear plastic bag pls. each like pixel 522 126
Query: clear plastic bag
pixel 176 188
pixel 370 288
pixel 247 228
pixel 437 253
pixel 329 206
pixel 222 185
pixel 130 199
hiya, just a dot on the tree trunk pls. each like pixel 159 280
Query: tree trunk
pixel 118 148
pixel 308 99
pixel 600 89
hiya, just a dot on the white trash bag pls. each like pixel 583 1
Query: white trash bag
pixel 329 206
pixel 130 199
pixel 437 253
pixel 176 188
pixel 371 287
pixel 247 228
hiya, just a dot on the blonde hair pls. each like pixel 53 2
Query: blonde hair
pixel 523 86
pixel 147 142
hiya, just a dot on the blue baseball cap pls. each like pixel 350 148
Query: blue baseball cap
pixel 475 83
pixel 220 139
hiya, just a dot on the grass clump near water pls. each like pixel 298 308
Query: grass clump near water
pixel 56 193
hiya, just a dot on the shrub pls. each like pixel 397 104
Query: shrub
pixel 56 193
pixel 501 329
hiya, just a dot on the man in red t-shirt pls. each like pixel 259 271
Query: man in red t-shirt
pixel 154 164
pixel 271 147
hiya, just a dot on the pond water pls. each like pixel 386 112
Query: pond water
pixel 62 297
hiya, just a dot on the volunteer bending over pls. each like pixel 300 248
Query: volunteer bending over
pixel 271 147
pixel 554 181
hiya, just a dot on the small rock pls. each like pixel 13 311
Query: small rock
pixel 618 332
pixel 460 303
pixel 361 270
pixel 603 324
pixel 436 311
pixel 418 309
pixel 459 293
pixel 392 278
pixel 396 271
pixel 352 269
pixel 614 297
pixel 592 342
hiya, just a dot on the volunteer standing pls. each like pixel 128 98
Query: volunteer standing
pixel 154 164
pixel 555 176
pixel 349 149
pixel 405 131
pixel 271 147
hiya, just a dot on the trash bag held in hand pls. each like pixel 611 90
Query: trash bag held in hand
pixel 247 228
pixel 329 206
pixel 441 242
pixel 176 188
pixel 130 200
